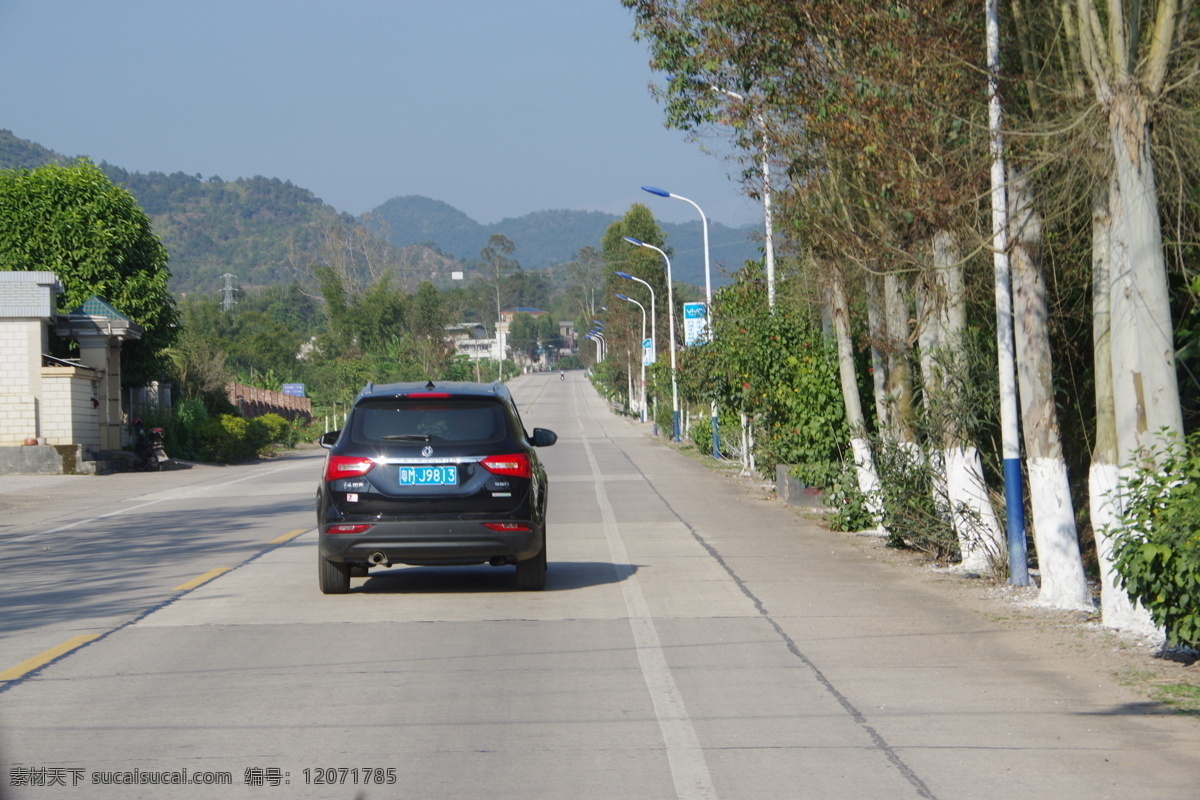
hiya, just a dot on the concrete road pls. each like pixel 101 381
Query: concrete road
pixel 692 642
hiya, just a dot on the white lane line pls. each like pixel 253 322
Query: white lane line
pixel 689 769
pixel 131 509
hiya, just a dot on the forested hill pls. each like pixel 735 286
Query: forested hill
pixel 262 230
pixel 546 238
pixel 17 153
pixel 269 231
pixel 255 228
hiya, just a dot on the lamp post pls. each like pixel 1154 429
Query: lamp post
pixel 598 334
pixel 716 441
pixel 653 327
pixel 653 310
pixel 599 341
pixel 768 246
pixel 643 354
pixel 671 325
pixel 1018 566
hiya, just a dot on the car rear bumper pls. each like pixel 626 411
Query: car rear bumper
pixel 430 543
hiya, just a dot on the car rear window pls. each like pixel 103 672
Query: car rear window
pixel 445 421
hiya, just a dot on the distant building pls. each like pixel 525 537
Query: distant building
pixel 471 340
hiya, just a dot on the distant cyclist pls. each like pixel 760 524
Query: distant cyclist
pixel 562 376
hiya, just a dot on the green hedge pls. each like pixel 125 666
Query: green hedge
pixel 1157 543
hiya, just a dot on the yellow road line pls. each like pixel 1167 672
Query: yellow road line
pixel 203 579
pixel 287 537
pixel 42 659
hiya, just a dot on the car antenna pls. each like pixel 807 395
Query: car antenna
pixel 429 386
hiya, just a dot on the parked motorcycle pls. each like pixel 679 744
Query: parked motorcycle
pixel 148 447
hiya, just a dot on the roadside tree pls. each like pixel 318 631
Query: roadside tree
pixel 73 221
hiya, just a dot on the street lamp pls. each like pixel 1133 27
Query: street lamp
pixel 716 441
pixel 671 325
pixel 643 354
pixel 653 324
pixel 598 335
pixel 768 247
pixel 653 311
pixel 599 342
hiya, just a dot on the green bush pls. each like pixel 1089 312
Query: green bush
pixel 225 438
pixel 700 433
pixel 910 512
pixel 182 430
pixel 1156 546
pixel 848 510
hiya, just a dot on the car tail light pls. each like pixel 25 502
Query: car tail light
pixel 507 527
pixel 347 529
pixel 428 395
pixel 516 465
pixel 346 467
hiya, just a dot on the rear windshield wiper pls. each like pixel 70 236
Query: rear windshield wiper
pixel 407 437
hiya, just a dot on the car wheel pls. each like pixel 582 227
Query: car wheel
pixel 334 577
pixel 531 573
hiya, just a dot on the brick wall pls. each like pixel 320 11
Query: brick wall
pixel 254 402
pixel 68 414
pixel 18 418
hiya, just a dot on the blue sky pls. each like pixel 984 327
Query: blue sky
pixel 497 108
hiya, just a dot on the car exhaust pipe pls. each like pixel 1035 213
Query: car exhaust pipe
pixel 377 558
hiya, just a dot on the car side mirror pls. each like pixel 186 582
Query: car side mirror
pixel 329 439
pixel 543 437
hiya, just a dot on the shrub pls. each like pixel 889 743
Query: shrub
pixel 910 511
pixel 183 428
pixel 225 438
pixel 848 509
pixel 1156 545
pixel 700 433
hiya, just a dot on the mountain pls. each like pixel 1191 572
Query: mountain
pixel 16 153
pixel 265 231
pixel 546 238
pixel 269 231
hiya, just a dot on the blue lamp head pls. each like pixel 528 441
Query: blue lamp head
pixel 621 297
pixel 633 241
pixel 656 190
pixel 624 275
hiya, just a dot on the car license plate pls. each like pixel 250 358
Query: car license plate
pixel 442 475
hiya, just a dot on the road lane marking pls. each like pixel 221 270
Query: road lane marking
pixel 287 537
pixel 689 768
pixel 42 659
pixel 203 579
pixel 138 507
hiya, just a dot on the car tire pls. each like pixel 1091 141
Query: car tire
pixel 334 577
pixel 531 573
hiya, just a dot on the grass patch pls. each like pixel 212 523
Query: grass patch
pixel 1183 698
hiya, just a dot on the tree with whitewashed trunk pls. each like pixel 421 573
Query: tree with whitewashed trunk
pixel 1063 582
pixel 941 323
pixel 864 464
pixel 1127 65
pixel 899 389
pixel 1117 610
pixel 878 337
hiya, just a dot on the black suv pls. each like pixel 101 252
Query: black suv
pixel 431 474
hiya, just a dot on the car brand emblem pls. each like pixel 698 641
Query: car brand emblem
pixel 427 451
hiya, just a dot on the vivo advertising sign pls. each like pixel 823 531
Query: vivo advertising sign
pixel 695 323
